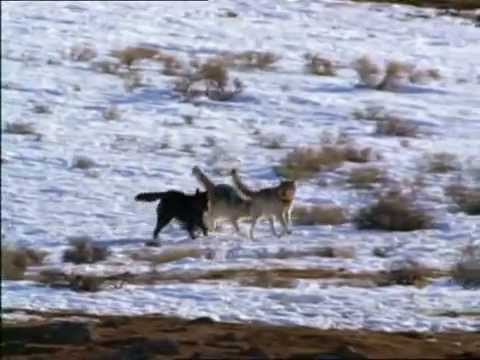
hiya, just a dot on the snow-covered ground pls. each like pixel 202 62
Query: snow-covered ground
pixel 45 200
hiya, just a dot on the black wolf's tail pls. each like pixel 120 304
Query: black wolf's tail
pixel 152 196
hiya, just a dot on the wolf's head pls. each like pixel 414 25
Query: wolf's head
pixel 200 201
pixel 286 190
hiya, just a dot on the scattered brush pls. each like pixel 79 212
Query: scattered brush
pixel 83 53
pixel 368 71
pixel 132 54
pixel 132 80
pixel 214 70
pixel 82 162
pixel 20 128
pixel 41 109
pixel 387 123
pixel 394 126
pixel 317 65
pixel 81 283
pixel 442 163
pixel 393 211
pixel 392 76
pixel 111 113
pixel 373 113
pixel 211 79
pixel 107 67
pixel 167 255
pixel 466 271
pixel 15 261
pixel 261 60
pixel 84 251
pixel 365 177
pixel 306 161
pixel 408 272
pixel 466 198
pixel 396 74
pixel 272 141
pixel 424 76
pixel 319 215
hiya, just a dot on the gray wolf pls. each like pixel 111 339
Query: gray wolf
pixel 272 202
pixel 225 201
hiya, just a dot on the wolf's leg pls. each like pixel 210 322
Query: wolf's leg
pixel 203 227
pixel 210 220
pixel 281 217
pixel 234 222
pixel 272 226
pixel 254 222
pixel 191 230
pixel 162 220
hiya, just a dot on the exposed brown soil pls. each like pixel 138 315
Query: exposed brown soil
pixel 161 337
pixel 267 278
pixel 439 4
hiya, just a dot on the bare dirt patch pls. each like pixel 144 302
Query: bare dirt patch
pixel 162 337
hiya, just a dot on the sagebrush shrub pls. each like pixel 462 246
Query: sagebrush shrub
pixel 393 211
pixel 84 250
pixel 319 215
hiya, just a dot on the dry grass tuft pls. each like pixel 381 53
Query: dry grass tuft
pixel 368 71
pixel 214 70
pixel 396 73
pixel 20 128
pixel 167 255
pixel 132 80
pixel 365 177
pixel 319 215
pixel 111 113
pixel 393 211
pixel 41 109
pixel 394 126
pixel 15 261
pixel 423 76
pixel 107 67
pixel 80 282
pixel 82 162
pixel 466 271
pixel 317 65
pixel 83 53
pixel 211 79
pixel 466 198
pixel 442 163
pixel 84 251
pixel 261 60
pixel 407 272
pixel 130 55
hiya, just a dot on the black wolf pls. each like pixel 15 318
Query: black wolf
pixel 188 209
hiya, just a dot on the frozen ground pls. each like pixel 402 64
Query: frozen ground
pixel 45 200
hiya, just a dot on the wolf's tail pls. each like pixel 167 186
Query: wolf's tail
pixel 203 179
pixel 152 196
pixel 240 185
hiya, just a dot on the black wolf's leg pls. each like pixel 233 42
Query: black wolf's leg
pixel 162 220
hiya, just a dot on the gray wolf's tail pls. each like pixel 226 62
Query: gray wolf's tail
pixel 203 179
pixel 240 185
pixel 149 196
